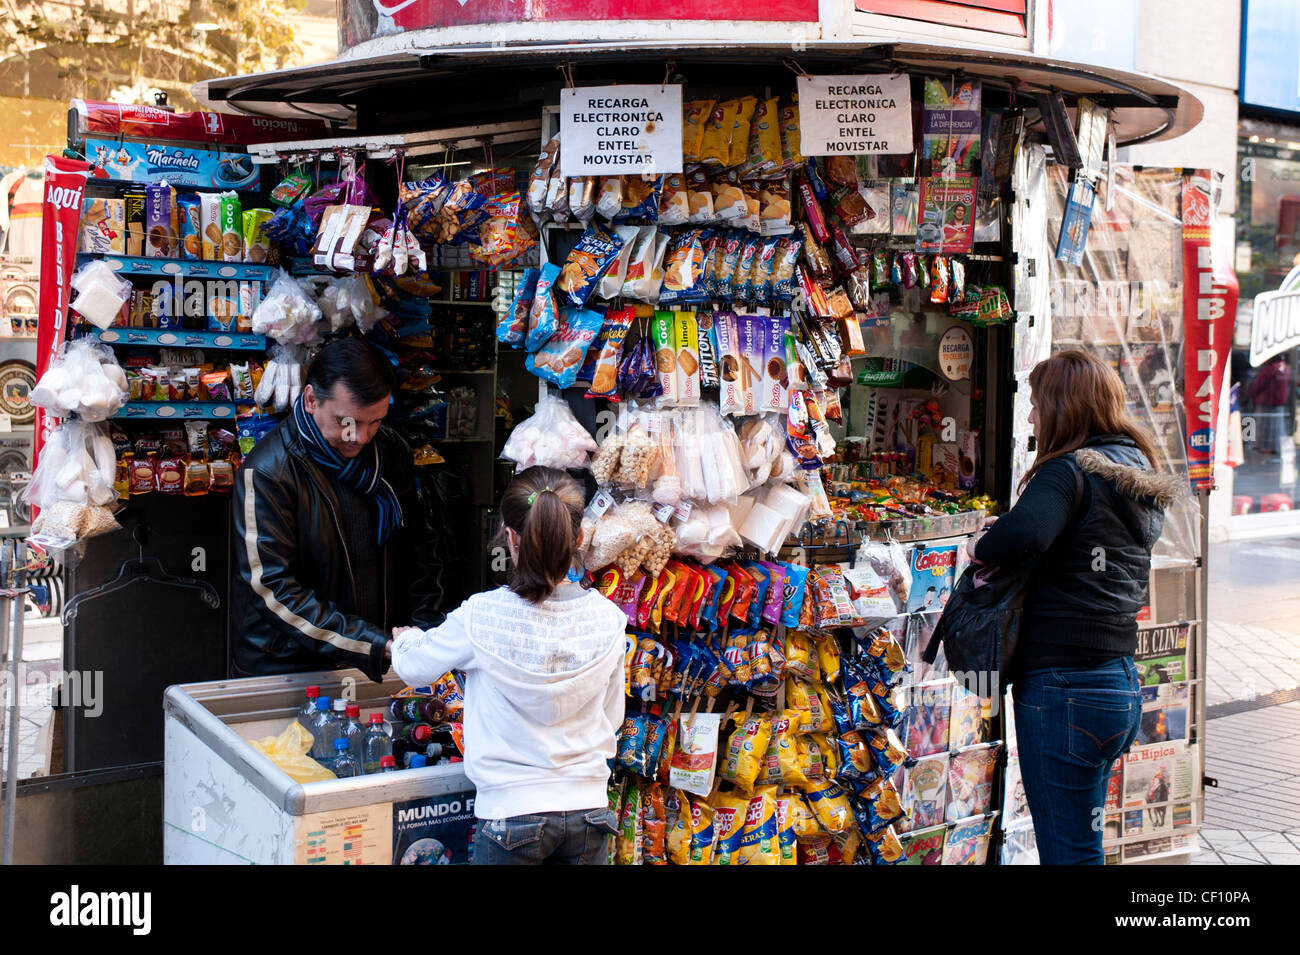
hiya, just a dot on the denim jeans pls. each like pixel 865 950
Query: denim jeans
pixel 1071 725
pixel 578 837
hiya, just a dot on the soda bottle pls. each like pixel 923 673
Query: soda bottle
pixel 324 730
pixel 344 765
pixel 376 745
pixel 308 709
pixel 418 709
pixel 418 733
pixel 353 731
pixel 387 764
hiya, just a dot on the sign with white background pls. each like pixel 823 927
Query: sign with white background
pixel 621 130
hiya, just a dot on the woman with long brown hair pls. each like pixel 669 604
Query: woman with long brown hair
pixel 543 665
pixel 1091 508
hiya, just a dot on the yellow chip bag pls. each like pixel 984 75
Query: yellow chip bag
pixel 715 145
pixel 828 657
pixel 703 834
pixel 830 754
pixel 738 148
pixel 767 124
pixel 695 115
pixel 760 838
pixel 769 770
pixel 679 835
pixel 831 806
pixel 803 822
pixel 822 712
pixel 811 760
pixel 792 762
pixel 798 697
pixel 785 834
pixel 849 842
pixel 745 751
pixel 729 812
pixel 800 658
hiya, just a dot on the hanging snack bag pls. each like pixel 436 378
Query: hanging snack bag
pixel 609 201
pixel 582 197
pixel 789 128
pixel 774 209
pixel 640 199
pixel 887 655
pixel 674 200
pixel 881 802
pixel 601 366
pixel 729 812
pixel 560 358
pixel 759 840
pixel 715 145
pixel 695 117
pixel 688 359
pixel 745 751
pixel 708 350
pixel 729 203
pixel 830 804
pixel 696 754
pixel 595 252
pixel 786 835
pixel 512 328
pixel 887 751
pixel 541 176
pixel 542 314
pixel 699 195
pixel 683 279
pixel 663 332
pixel 885 847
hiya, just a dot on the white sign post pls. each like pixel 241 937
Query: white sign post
pixel 855 114
pixel 621 130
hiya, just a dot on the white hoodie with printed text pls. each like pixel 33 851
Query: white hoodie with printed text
pixel 543 695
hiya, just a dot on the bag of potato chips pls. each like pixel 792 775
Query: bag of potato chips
pixel 729 812
pixel 746 750
pixel 759 840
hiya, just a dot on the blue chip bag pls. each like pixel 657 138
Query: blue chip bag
pixel 796 577
pixel 856 762
pixel 886 655
pixel 761 582
pixel 877 804
pixel 543 315
pixel 512 328
pixel 887 751
pixel 863 707
pixel 709 612
pixel 559 358
pixel 885 847
pixel 631 741
pixel 813 171
pixel 891 702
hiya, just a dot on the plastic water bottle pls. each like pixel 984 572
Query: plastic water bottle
pixel 387 764
pixel 324 730
pixel 376 745
pixel 344 765
pixel 353 731
pixel 308 709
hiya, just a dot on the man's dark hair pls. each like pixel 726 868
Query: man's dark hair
pixel 362 370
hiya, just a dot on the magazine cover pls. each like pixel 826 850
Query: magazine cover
pixel 1149 849
pixel 1019 846
pixel 934 570
pixel 968 841
pixel 925 727
pixel 1114 827
pixel 947 222
pixel 968 725
pixel 1164 713
pixel 919 628
pixel 950 125
pixel 1161 655
pixel 1115 785
pixel 924 847
pixel 906 200
pixel 1015 805
pixel 970 781
pixel 1155 776
pixel 923 792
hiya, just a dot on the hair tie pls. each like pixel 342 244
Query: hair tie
pixel 533 497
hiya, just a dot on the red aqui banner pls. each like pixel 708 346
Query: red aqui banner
pixel 65 183
pixel 1209 310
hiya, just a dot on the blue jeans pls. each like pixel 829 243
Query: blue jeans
pixel 1072 723
pixel 578 837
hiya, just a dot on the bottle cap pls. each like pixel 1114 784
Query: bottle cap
pixel 387 761
pixel 313 692
pixel 354 709
pixel 377 717
pixel 322 704
pixel 418 762
pixel 340 745
pixel 340 705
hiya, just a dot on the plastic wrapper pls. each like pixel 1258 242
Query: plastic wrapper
pixel 288 752
pixel 74 482
pixel 101 293
pixel 286 314
pixel 85 380
pixel 538 181
pixel 350 301
pixel 543 314
pixel 551 437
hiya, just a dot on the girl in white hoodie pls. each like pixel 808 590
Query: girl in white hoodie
pixel 543 665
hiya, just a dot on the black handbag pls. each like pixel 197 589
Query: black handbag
pixel 980 625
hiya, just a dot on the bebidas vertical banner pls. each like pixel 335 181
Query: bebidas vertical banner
pixel 1209 311
pixel 65 184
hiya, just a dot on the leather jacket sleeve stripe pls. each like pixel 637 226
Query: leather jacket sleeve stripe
pixel 300 624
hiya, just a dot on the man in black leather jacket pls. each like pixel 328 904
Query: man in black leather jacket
pixel 331 546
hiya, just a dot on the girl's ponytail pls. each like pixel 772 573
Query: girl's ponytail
pixel 544 507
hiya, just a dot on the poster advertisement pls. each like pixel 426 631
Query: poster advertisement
pixel 968 842
pixel 178 166
pixel 950 126
pixel 1074 226
pixel 924 847
pixel 947 222
pixel 435 830
pixel 1164 713
pixel 358 836
pixel 970 781
pixel 934 570
pixel 1161 655
pixel 923 791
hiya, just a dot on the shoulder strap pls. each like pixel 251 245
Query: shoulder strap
pixel 1079 488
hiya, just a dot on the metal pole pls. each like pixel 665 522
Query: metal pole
pixel 15 657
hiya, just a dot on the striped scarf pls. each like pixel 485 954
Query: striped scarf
pixel 363 473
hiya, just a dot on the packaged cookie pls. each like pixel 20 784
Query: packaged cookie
pixel 158 221
pixel 596 250
pixel 210 226
pixel 663 331
pixel 776 382
pixel 542 317
pixel 730 394
pixel 688 360
pixel 774 207
pixel 190 242
pixel 134 201
pixel 257 247
pixel 560 358
pixel 708 350
pixel 232 228
pixel 684 268
pixel 601 366
pixel 788 248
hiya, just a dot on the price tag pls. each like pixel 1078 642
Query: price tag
pixel 663 512
pixel 683 510
pixel 601 503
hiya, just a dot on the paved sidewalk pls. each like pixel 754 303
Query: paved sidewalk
pixel 1252 737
